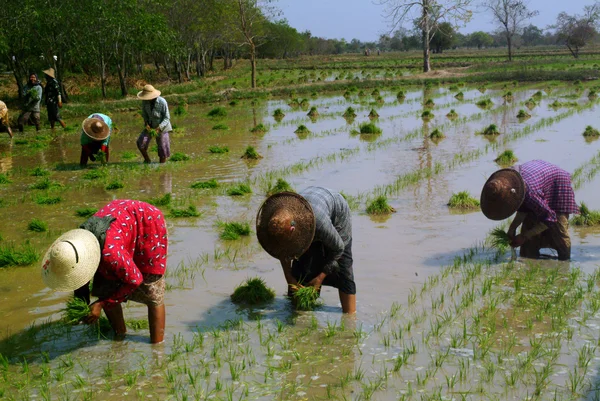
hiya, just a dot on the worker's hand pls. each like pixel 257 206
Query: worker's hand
pixel 148 128
pixel 317 282
pixel 96 310
pixel 518 241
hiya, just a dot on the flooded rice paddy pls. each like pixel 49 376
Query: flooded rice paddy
pixel 441 315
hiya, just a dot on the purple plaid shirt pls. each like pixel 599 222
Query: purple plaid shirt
pixel 548 191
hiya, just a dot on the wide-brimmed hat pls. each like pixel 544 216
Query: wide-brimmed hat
pixel 148 93
pixel 285 225
pixel 71 260
pixel 95 128
pixel 50 72
pixel 502 194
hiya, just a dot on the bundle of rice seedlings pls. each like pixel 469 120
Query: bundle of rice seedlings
pixel 24 255
pixel 45 183
pixel 373 114
pixel 233 103
pixel 251 154
pixel 239 190
pixel 538 95
pixel 294 103
pixel 94 174
pixel 306 298
pixel 522 114
pixel 47 200
pixel 380 206
pixel 180 110
pixel 179 157
pixel 234 230
pixel 427 115
pixel 453 88
pixel 190 211
pixel 280 186
pixel 218 149
pixel 499 239
pixel 506 158
pixel 350 112
pixel 137 324
pixel 220 127
pixel 485 103
pixel 77 309
pixel 37 226
pixel 302 130
pixel 463 200
pixel 4 179
pixel 127 155
pixel 304 103
pixel 218 112
pixel 592 94
pixel 362 94
pixel 210 184
pixel 278 114
pixel 369 128
pixel 452 114
pixel 591 131
pixel 151 132
pixel 347 94
pixel 436 134
pixel 380 100
pixel 313 112
pixel 508 96
pixel 39 172
pixel 491 129
pixel 164 200
pixel 401 95
pixel 556 104
pixel 115 185
pixel 530 103
pixel 259 129
pixel 375 92
pixel 586 217
pixel 253 291
pixel 429 103
pixel 459 96
pixel 86 212
pixel 20 141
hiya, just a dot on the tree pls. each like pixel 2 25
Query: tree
pixel 510 15
pixel 532 35
pixel 480 39
pixel 430 13
pixel 444 37
pixel 575 31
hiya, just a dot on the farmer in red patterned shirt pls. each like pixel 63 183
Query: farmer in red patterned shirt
pixel 542 195
pixel 123 247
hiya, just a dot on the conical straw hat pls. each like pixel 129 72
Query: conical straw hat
pixel 95 128
pixel 148 93
pixel 502 194
pixel 50 72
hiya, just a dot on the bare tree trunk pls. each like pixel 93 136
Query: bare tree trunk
pixel 14 66
pixel 58 67
pixel 211 60
pixel 253 63
pixel 509 42
pixel 122 75
pixel 177 65
pixel 426 31
pixel 103 75
pixel 188 63
pixel 167 70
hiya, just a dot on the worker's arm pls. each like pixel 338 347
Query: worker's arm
pixel 286 264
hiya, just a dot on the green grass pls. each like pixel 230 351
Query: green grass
pixel 380 206
pixel 313 112
pixel 10 255
pixel 218 112
pixel 252 292
pixel 491 129
pixel 369 128
pixel 233 230
pixel 21 141
pixel 306 298
pixel 94 174
pixel 4 179
pixel 218 149
pixel 591 131
pixel 220 127
pixel 452 114
pixel 164 200
pixel 39 172
pixel 114 185
pixel 239 190
pixel 190 211
pixel 179 157
pixel 499 239
pixel 233 103
pixel 210 184
pixel 350 112
pixel 485 103
pixel 45 183
pixel 280 186
pixel 258 129
pixel 463 200
pixel 128 155
pixel 586 217
pixel 302 130
pixel 522 114
pixel 437 134
pixel 86 212
pixel 373 114
pixel 251 154
pixel 427 115
pixel 38 226
pixel 47 200
pixel 506 158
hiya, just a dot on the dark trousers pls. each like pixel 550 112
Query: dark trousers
pixel 555 237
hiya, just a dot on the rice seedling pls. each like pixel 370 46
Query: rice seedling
pixel 305 298
pixel 452 114
pixel 278 114
pixel 429 103
pixel 530 103
pixel 459 96
pixel 37 226
pixel 259 129
pixel 233 103
pixel 218 112
pixel 21 141
pixel 180 110
pixel 499 239
pixel 304 103
pixel 436 135
pixel 350 112
pixel 138 324
pixel 485 103
pixel 45 183
pixel 380 206
pixel 591 131
pixel 557 105
pixel 280 186
pixel 592 94
pixel 239 190
pixel 427 115
pixel 375 92
pixel 94 174
pixel 86 212
pixel 538 95
pixel 400 95
pixel 190 211
pixel 127 155
pixel 373 114
pixel 164 200
pixel 313 113
pixel 218 149
pixel 586 217
pixel 151 132
pixel 210 184
pixel 302 130
pixel 4 179
pixel 491 129
pixel 506 158
pixel 75 310
pixel 47 200
pixel 220 127
pixel 253 291
pixel 463 200
pixel 116 184
pixel 522 114
pixel 508 96
pixel 233 230
pixel 179 157
pixel 369 128
pixel 10 255
pixel 251 154
pixel 39 172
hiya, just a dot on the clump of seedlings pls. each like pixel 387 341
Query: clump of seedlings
pixel 179 157
pixel 180 110
pixel 151 132
pixel 233 103
pixel 436 134
pixel 190 211
pixel 538 95
pixel 427 115
pixel 278 114
pixel 369 128
pixel 252 292
pixel 380 100
pixel 86 212
pixel 94 174
pixel 530 103
pixel 239 190
pixel 401 95
pixel 220 127
pixel 506 158
pixel 164 200
pixel 47 200
pixel 485 103
pixel 218 149
pixel 522 114
pixel 77 309
pixel 459 96
pixel 463 200
pixel 127 155
pixel 586 217
pixel 138 324
pixel 380 206
pixel 499 239
pixel 302 130
pixel 10 255
pixel 281 185
pixel 452 114
pixel 39 172
pixel 258 129
pixel 304 103
pixel 491 129
pixel 591 132
pixel 210 184
pixel 373 114
pixel 375 92
pixel 251 154
pixel 313 113
pixel 45 183
pixel 4 179
pixel 350 112
pixel 306 298
pixel 508 96
pixel 116 184
pixel 218 112
pixel 234 230
pixel 592 94
pixel 38 226
pixel 429 103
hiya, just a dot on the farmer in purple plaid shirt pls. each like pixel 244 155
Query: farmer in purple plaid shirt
pixel 542 195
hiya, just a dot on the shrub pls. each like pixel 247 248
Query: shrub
pixel 24 255
pixel 306 298
pixel 210 184
pixel 253 291
pixel 86 212
pixel 463 200
pixel 259 129
pixel 220 127
pixel 591 131
pixel 427 115
pixel 179 157
pixel 586 217
pixel 234 230
pixel 164 200
pixel 115 185
pixel 522 114
pixel 218 112
pixel 280 186
pixel 239 190
pixel 491 129
pixel 506 158
pixel 452 114
pixel 369 128
pixel 251 154
pixel 218 149
pixel 190 211
pixel 380 206
pixel 373 114
pixel 39 172
pixel 350 112
pixel 302 129
pixel 437 134
pixel 37 226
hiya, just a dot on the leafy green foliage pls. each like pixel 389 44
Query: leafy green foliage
pixel 252 292
pixel 380 206
pixel 210 184
pixel 234 230
pixel 38 226
pixel 463 200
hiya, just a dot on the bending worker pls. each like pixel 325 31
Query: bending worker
pixel 95 138
pixel 311 235
pixel 542 195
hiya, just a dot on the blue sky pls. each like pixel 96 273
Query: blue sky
pixel 363 20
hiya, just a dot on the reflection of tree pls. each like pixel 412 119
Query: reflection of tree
pixel 425 157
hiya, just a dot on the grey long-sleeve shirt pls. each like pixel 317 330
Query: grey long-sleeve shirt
pixel 157 117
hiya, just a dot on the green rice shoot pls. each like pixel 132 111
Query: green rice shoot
pixel 373 114
pixel 380 206
pixel 350 112
pixel 278 114
pixel 38 226
pixel 232 231
pixel 220 127
pixel 485 103
pixel 499 239
pixel 45 183
pixel 47 200
pixel 218 112
pixel 586 217
pixel 452 114
pixel 86 212
pixel 259 129
pixel 115 185
pixel 429 103
pixel 251 154
pixel 11 255
pixel 436 134
pixel 523 114
pixel 39 172
pixel 4 179
pixel 179 157
pixel 306 298
pixel 427 115
pixel 463 200
pixel 164 200
pixel 369 128
pixel 218 149
pixel 239 190
pixel 302 130
pixel 280 186
pixel 190 211
pixel 491 129
pixel 591 131
pixel 313 112
pixel 252 292
pixel 210 184
pixel 459 96
pixel 137 324
pixel 506 158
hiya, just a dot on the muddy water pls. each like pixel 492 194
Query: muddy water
pixel 391 256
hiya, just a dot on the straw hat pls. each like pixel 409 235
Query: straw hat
pixel 502 194
pixel 148 93
pixel 49 72
pixel 285 225
pixel 71 261
pixel 95 128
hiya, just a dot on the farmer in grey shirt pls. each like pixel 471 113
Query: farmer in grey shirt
pixel 32 96
pixel 155 112
pixel 311 234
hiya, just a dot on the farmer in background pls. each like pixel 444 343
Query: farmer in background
pixel 542 195
pixel 4 122
pixel 32 96
pixel 123 250
pixel 311 235
pixel 95 137
pixel 53 98
pixel 157 119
